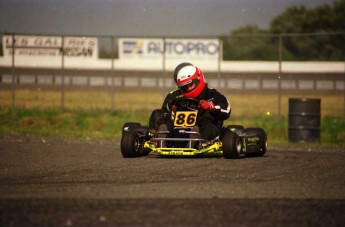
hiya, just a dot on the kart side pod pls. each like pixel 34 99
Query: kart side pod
pixel 239 141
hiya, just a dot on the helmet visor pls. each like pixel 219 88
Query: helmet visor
pixel 189 86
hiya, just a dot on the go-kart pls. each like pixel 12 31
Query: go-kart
pixel 234 141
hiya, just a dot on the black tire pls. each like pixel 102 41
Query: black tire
pixel 232 145
pixel 262 146
pixel 237 128
pixel 131 146
pixel 130 126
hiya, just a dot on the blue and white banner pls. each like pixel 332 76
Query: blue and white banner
pixel 201 49
pixel 151 53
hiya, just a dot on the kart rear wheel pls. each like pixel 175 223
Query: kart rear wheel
pixel 231 144
pixel 131 145
pixel 235 127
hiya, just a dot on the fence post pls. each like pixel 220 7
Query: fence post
pixel 220 53
pixel 62 73
pixel 14 78
pixel 112 76
pixel 164 73
pixel 280 75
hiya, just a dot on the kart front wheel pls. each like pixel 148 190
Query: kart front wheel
pixel 130 126
pixel 231 144
pixel 131 145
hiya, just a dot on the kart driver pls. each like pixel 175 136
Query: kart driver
pixel 191 84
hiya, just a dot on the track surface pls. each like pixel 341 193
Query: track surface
pixel 60 182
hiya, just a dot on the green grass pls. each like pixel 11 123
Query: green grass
pixel 104 125
pixel 55 123
pixel 87 113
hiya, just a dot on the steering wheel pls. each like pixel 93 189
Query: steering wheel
pixel 186 103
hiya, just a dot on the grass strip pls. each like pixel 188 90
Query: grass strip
pixel 105 125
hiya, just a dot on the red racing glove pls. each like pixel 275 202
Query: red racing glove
pixel 206 105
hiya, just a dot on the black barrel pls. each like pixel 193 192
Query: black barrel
pixel 304 120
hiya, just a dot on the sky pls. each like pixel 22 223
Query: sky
pixel 140 17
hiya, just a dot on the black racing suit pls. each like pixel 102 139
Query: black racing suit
pixel 209 122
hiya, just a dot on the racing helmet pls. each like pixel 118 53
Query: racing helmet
pixel 189 79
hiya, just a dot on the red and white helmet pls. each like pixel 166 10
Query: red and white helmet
pixel 189 79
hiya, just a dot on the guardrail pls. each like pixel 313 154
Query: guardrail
pixel 308 82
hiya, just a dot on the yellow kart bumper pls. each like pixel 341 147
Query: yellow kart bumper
pixel 212 149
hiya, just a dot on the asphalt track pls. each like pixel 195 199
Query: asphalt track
pixel 63 182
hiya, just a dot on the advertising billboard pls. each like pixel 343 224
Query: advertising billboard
pixel 143 52
pixel 50 46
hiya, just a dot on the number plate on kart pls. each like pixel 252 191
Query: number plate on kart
pixel 177 152
pixel 185 118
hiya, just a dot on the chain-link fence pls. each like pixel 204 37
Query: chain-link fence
pixel 276 65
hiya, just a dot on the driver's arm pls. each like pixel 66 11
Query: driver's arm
pixel 166 107
pixel 222 106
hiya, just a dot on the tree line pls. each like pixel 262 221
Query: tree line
pixel 298 34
